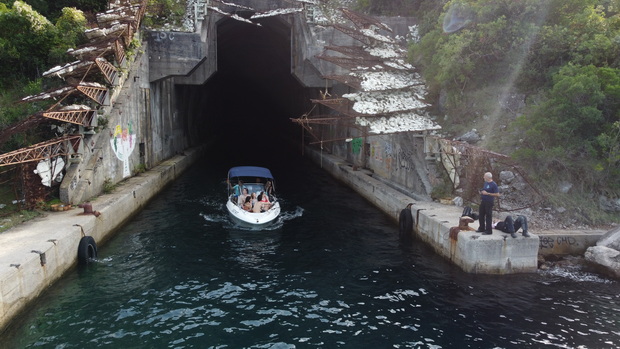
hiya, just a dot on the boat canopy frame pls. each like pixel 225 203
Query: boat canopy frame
pixel 247 174
pixel 250 171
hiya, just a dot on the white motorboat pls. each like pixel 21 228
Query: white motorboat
pixel 256 180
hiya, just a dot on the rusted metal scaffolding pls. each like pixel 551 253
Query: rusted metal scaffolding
pixel 465 163
pixel 83 117
pixel 41 151
pixel 86 79
pixel 474 161
pixel 86 68
pixel 352 58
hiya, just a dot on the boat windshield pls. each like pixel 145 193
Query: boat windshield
pixel 254 187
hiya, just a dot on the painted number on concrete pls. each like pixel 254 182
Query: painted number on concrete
pixel 162 36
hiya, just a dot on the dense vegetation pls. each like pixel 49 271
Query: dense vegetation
pixel 558 56
pixel 34 37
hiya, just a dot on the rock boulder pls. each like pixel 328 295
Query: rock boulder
pixel 611 239
pixel 605 258
pixel 606 253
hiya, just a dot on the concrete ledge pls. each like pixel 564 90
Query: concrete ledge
pixel 474 253
pixel 35 254
pixel 568 242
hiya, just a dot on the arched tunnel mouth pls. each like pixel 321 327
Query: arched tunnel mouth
pixel 247 105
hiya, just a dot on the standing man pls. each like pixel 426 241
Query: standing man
pixel 487 196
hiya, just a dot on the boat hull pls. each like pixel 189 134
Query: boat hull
pixel 251 219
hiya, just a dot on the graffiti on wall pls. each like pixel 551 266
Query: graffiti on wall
pixel 551 242
pixel 404 160
pixel 381 154
pixel 356 145
pixel 123 143
pixel 389 160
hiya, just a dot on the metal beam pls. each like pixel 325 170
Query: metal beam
pixel 41 151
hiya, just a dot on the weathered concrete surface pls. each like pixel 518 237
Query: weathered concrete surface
pixel 55 237
pixel 568 242
pixel 142 115
pixel 191 57
pixel 474 253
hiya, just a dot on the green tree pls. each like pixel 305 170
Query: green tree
pixel 388 7
pixel 476 43
pixel 25 40
pixel 609 165
pixel 574 122
pixel 55 8
pixel 575 31
pixel 70 28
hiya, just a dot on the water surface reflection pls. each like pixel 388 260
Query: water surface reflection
pixel 331 274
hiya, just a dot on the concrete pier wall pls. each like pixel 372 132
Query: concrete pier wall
pixel 37 253
pixel 474 253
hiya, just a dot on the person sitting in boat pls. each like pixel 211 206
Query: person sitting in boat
pixel 269 188
pixel 247 205
pixel 244 194
pixel 261 205
pixel 265 201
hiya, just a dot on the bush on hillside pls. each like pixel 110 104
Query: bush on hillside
pixel 560 54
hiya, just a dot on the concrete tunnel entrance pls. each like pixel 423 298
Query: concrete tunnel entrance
pixel 252 96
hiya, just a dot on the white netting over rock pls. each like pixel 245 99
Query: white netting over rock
pixel 402 122
pixel 382 102
pixel 387 80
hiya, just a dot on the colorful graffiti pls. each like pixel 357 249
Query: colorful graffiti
pixel 123 143
pixel 356 145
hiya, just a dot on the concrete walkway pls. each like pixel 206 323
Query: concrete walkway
pixel 35 254
pixel 475 253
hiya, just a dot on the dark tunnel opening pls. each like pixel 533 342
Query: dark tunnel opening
pixel 248 103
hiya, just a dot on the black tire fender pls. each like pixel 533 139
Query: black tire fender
pixel 405 222
pixel 87 249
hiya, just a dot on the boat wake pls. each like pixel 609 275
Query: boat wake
pixel 289 216
pixel 223 220
pixel 215 217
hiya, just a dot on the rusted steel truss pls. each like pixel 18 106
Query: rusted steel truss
pixel 306 123
pixel 107 44
pixel 98 94
pixel 355 62
pixel 41 151
pixel 119 53
pixel 351 51
pixel 322 119
pixel 95 92
pixel 349 80
pixel 110 72
pixel 84 69
pixel 82 117
pixel 341 105
pixel 363 21
pixel 361 62
pixel 354 33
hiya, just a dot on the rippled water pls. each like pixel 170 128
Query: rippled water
pixel 331 274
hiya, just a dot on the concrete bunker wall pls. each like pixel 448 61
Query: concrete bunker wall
pixel 138 130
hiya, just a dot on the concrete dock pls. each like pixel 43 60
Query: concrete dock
pixel 36 253
pixel 473 252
